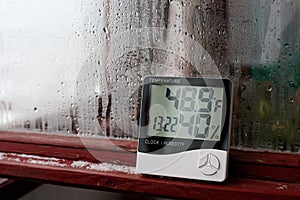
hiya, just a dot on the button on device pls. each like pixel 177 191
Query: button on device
pixel 209 164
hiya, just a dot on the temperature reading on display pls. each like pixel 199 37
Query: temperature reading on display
pixel 193 112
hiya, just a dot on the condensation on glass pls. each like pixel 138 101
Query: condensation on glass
pixel 76 67
pixel 264 49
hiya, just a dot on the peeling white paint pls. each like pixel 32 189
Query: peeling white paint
pixel 1 156
pixel 79 164
pixel 51 161
pixel 14 159
pixel 282 187
pixel 42 162
pixel 36 157
pixel 104 167
pixel 32 159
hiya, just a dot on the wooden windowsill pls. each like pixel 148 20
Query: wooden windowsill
pixel 110 165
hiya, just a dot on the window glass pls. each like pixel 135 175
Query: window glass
pixel 264 49
pixel 76 66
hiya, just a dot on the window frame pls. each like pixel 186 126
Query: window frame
pixel 260 173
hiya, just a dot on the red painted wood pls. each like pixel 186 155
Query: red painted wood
pixel 265 165
pixel 243 163
pixel 4 182
pixel 92 155
pixel 282 168
pixel 233 188
pixel 68 141
pixel 266 172
pixel 266 157
pixel 70 147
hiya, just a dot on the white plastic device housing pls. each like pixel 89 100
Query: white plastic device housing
pixel 199 164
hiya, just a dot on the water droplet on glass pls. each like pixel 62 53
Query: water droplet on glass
pixel 105 30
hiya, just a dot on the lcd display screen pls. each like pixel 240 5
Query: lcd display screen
pixel 188 112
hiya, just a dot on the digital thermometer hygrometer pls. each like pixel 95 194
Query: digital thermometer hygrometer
pixel 184 127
